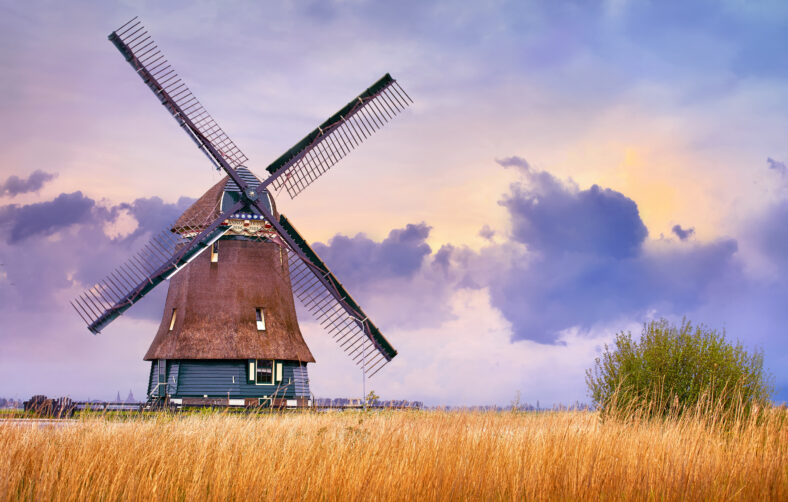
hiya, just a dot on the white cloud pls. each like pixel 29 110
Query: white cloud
pixel 467 360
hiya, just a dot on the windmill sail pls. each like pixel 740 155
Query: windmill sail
pixel 332 306
pixel 301 165
pixel 168 252
pixel 161 258
pixel 142 53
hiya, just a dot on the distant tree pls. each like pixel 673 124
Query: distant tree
pixel 675 368
pixel 516 405
pixel 371 397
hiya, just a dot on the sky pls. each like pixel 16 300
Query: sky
pixel 568 170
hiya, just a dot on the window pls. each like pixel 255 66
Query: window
pixel 172 320
pixel 215 252
pixel 264 374
pixel 162 371
pixel 260 317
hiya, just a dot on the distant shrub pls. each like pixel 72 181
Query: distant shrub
pixel 675 369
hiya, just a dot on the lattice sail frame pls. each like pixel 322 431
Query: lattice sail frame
pixel 164 255
pixel 311 157
pixel 312 284
pixel 355 333
pixel 142 53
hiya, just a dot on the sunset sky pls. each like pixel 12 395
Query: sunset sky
pixel 568 170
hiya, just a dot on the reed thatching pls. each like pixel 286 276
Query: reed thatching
pixel 216 305
pixel 205 209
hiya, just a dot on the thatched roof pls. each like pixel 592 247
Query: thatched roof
pixel 206 209
pixel 203 212
pixel 216 305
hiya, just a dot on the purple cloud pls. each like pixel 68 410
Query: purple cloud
pixel 575 258
pixel 359 259
pixel 487 233
pixel 778 166
pixel 771 234
pixel 515 161
pixel 392 278
pixel 15 185
pixel 551 217
pixel 45 218
pixel 79 253
pixel 682 233
pixel 584 263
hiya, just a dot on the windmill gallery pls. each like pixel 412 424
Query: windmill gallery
pixel 229 334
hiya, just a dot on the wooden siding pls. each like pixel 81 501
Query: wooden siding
pixel 220 378
pixel 173 371
pixel 211 378
pixel 152 377
pixel 301 381
pixel 170 376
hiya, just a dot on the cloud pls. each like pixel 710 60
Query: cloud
pixel 578 259
pixel 681 233
pixel 515 161
pixel 57 247
pixel 770 232
pixel 547 295
pixel 443 258
pixel 398 281
pixel 487 233
pixel 15 185
pixel 152 213
pixel 575 259
pixel 45 218
pixel 553 217
pixel 553 275
pixel 535 294
pixel 433 362
pixel 548 303
pixel 359 259
pixel 777 166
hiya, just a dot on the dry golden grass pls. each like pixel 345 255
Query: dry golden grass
pixel 395 456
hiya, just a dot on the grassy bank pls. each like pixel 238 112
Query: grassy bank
pixel 396 455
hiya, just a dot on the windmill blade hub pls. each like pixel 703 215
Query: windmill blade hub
pixel 252 194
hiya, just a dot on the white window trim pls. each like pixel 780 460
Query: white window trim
pixel 261 322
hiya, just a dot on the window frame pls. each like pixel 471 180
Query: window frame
pixel 215 252
pixel 259 317
pixel 172 319
pixel 273 372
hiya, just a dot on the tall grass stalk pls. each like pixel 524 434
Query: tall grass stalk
pixel 424 455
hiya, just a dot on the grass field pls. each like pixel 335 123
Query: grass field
pixel 396 456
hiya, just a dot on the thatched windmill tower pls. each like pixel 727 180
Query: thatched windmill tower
pixel 229 333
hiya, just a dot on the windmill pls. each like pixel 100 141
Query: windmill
pixel 229 333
